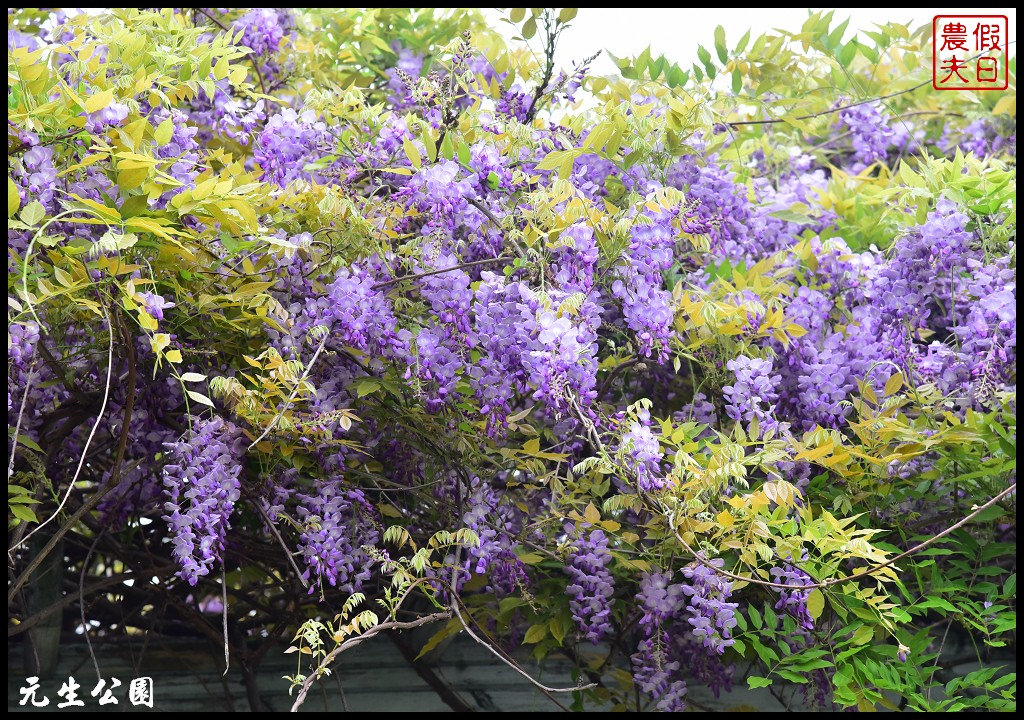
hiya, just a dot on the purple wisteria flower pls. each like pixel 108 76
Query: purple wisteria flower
pixel 335 527
pixel 793 602
pixel 591 584
pixel 711 616
pixel 754 393
pixel 292 145
pixel 155 304
pixel 110 116
pixel 202 480
pixel 642 453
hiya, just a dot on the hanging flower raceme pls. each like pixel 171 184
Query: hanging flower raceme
pixel 202 480
pixel 641 453
pixel 711 615
pixel 591 585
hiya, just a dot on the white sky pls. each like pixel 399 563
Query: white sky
pixel 677 32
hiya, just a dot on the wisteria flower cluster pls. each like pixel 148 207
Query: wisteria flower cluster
pixel 203 482
pixel 591 585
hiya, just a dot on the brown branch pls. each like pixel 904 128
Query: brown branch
pixel 115 475
pixel 64 602
pixel 844 107
pixel 832 110
pixel 287 552
pixel 352 642
pixel 459 266
pixel 490 216
pixel 615 371
pixel 549 68
pixel 52 141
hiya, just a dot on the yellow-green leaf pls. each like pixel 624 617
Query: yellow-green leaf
pixel 536 633
pixel 815 603
pixel 413 153
pixel 13 198
pixel 99 101
pixel 33 213
pixel 894 383
pixel 164 132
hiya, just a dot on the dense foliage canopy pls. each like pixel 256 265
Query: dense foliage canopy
pixel 338 321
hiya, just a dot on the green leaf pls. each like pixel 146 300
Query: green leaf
pixel 529 28
pixel 723 54
pixel 836 36
pixel 413 153
pixel 558 629
pixel 767 655
pixel 23 513
pixel 28 442
pixel 677 77
pixel 754 682
pixel 742 44
pixel 536 633
pixel 863 635
pixel 791 676
pixel 655 67
pixel 447 147
pixel 366 386
pixel 755 617
pixel 451 628
pixel 642 60
pixel 937 602
pixel 99 101
pixel 552 160
pixel 704 56
pixel 847 53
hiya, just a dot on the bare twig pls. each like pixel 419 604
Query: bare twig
pixel 494 220
pixel 456 601
pixel 287 552
pixel 431 678
pixel 33 620
pixel 88 440
pixel 81 606
pixel 459 266
pixel 832 110
pixel 224 618
pixel 844 107
pixel 551 36
pixel 295 391
pixel 112 481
